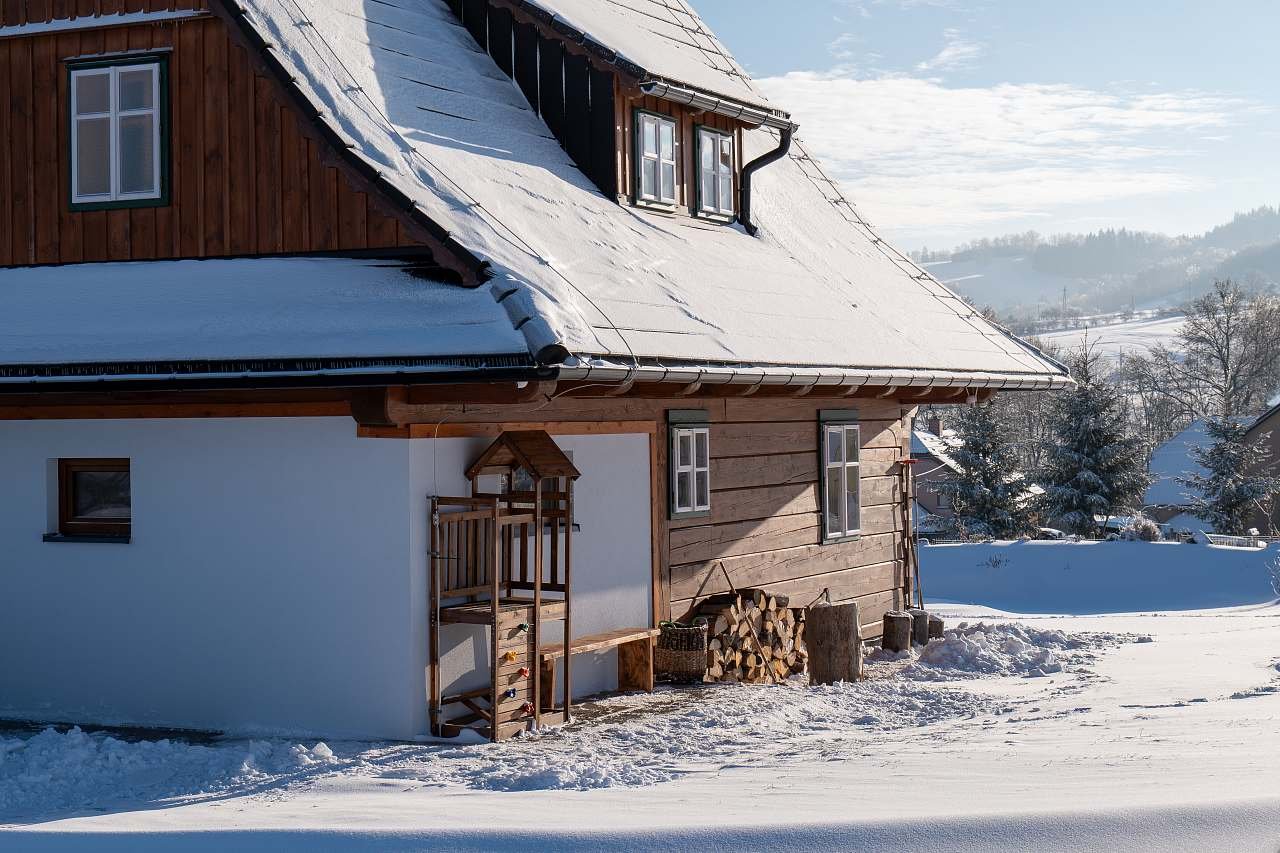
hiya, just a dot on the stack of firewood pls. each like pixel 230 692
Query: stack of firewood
pixel 753 637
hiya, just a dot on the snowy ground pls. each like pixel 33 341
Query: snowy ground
pixel 1147 731
pixel 1120 339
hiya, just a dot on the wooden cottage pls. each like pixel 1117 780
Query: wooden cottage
pixel 279 277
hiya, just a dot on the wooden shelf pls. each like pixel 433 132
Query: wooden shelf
pixel 481 612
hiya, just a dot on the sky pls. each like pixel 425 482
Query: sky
pixel 948 120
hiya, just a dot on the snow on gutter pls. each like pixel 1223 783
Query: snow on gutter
pixel 808 377
pixel 87 22
pixel 715 104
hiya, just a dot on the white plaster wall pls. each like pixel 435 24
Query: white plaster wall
pixel 269 582
pixel 612 565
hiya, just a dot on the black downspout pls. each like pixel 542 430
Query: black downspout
pixel 744 203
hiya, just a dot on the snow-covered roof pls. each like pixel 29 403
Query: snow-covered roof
pixel 407 88
pixel 242 310
pixel 938 447
pixel 1172 460
pixel 663 38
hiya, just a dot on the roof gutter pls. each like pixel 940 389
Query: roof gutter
pixel 813 378
pixel 749 170
pixel 718 105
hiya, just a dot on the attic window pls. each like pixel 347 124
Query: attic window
pixel 656 159
pixel 117 133
pixel 715 172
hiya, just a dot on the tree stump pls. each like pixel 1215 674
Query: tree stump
pixel 936 627
pixel 835 644
pixel 919 627
pixel 897 631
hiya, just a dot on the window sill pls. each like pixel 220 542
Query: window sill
pixel 680 516
pixel 656 206
pixel 121 204
pixel 719 218
pixel 836 540
pixel 88 540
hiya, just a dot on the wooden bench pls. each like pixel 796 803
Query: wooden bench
pixel 635 658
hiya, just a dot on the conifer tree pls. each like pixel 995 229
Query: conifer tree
pixel 987 493
pixel 1091 469
pixel 1236 487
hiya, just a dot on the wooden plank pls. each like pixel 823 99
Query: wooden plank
pixel 47 148
pixel 216 173
pixel 746 409
pixel 765 569
pixel 846 585
pixel 21 236
pixel 352 216
pixel 6 180
pixel 294 209
pixel 448 430
pixel 596 642
pixel 241 154
pixel 189 142
pixel 635 665
pixel 268 189
pixel 755 471
pixel 711 541
pixel 322 198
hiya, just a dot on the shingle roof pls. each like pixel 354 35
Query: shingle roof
pixel 407 87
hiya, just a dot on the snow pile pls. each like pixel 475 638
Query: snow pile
pixel 74 770
pixel 1006 649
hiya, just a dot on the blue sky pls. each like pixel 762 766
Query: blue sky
pixel 953 119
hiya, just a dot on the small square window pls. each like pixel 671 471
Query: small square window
pixel 690 451
pixel 715 172
pixel 94 497
pixel 118 143
pixel 656 159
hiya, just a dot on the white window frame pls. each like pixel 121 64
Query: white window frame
pixel 717 205
pixel 690 472
pixel 643 159
pixel 115 114
pixel 839 431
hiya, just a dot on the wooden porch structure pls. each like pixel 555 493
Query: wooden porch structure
pixel 504 560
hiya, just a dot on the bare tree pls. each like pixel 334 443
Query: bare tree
pixel 1227 362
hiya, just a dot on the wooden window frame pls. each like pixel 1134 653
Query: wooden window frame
pixel 656 202
pixel 716 213
pixel 695 423
pixel 839 422
pixel 162 133
pixel 69 525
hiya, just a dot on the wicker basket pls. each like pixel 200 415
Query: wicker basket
pixel 681 655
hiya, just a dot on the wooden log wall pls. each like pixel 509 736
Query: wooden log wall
pixel 249 175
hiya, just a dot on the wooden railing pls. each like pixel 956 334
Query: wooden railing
pixel 485 544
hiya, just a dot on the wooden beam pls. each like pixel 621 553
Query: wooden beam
pixel 487 430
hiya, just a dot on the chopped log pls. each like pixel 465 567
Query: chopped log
pixel 897 631
pixel 919 627
pixel 835 644
pixel 936 627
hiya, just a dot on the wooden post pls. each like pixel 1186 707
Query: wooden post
pixel 919 627
pixel 433 617
pixel 936 627
pixel 535 668
pixel 834 639
pixel 568 596
pixel 897 631
pixel 495 581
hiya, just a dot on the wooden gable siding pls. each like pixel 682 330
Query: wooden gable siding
pixel 764 525
pixel 248 174
pixel 574 98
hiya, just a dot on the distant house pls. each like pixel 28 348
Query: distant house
pixel 1266 430
pixel 326 325
pixel 1166 501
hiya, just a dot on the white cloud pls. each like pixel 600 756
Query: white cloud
pixel 957 52
pixel 926 161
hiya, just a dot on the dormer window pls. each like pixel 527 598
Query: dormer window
pixel 715 172
pixel 656 159
pixel 117 133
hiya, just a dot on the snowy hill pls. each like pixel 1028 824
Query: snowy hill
pixel 1118 339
